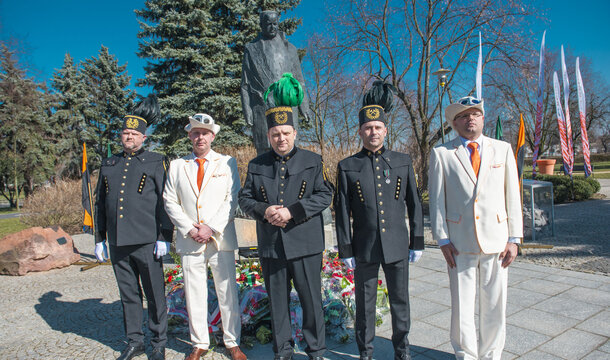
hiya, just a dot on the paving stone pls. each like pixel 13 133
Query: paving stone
pixel 541 322
pixel 573 344
pixel 568 307
pixel 592 284
pixel 519 340
pixel 539 355
pixel 543 286
pixel 418 287
pixel 440 295
pixel 421 308
pixel 591 296
pixel 598 324
pixel 524 298
pixel 441 319
pixel 427 336
pixel 597 355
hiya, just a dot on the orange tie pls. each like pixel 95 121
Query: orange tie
pixel 200 172
pixel 475 158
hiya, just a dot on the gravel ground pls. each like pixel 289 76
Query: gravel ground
pixel 582 236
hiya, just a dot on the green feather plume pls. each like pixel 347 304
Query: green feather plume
pixel 286 91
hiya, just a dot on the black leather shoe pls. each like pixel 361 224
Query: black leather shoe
pixel 403 356
pixel 131 351
pixel 158 353
pixel 365 357
pixel 316 358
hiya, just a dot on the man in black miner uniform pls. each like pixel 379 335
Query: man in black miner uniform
pixel 129 213
pixel 375 187
pixel 285 191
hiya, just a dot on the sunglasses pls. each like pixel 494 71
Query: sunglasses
pixel 201 119
pixel 469 101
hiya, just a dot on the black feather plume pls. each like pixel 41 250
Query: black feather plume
pixel 148 108
pixel 382 94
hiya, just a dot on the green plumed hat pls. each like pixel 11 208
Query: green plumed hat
pixel 287 93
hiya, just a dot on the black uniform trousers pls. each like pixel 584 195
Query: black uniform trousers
pixel 132 264
pixel 397 282
pixel 305 273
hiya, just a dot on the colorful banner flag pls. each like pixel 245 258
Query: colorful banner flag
pixel 561 122
pixel 566 107
pixel 479 80
pixel 539 114
pixel 499 133
pixel 87 195
pixel 583 124
pixel 520 152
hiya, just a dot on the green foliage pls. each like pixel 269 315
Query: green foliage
pixel 194 51
pixel 26 149
pixel 563 188
pixel 107 101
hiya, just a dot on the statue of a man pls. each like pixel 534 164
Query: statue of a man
pixel 266 58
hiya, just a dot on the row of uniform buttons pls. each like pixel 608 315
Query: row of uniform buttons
pixel 282 179
pixel 122 190
pixel 380 193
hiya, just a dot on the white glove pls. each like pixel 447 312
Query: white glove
pixel 349 262
pixel 415 255
pixel 101 251
pixel 161 248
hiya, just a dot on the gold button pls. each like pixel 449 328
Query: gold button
pixel 477 218
pixel 282 176
pixel 126 164
pixel 383 230
pixel 125 170
pixel 283 162
pixel 121 216
pixel 122 191
pixel 381 203
pixel 201 221
pixel 121 199
pixel 380 193
pixel 122 184
pixel 378 176
pixel 281 200
pixel 378 185
pixel 377 168
pixel 199 206
pixel 282 184
pixel 377 159
pixel 383 221
pixel 476 200
pixel 283 168
pixel 121 208
pixel 281 192
pixel 381 212
pixel 124 177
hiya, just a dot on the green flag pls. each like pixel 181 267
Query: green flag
pixel 109 151
pixel 499 134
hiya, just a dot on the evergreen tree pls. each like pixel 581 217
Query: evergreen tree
pixel 26 154
pixel 195 50
pixel 67 121
pixel 108 100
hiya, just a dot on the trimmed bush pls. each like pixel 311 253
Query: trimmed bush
pixel 562 187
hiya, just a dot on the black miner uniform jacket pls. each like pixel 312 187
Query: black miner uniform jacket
pixel 297 182
pixel 377 188
pixel 129 200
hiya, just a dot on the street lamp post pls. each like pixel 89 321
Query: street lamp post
pixel 442 80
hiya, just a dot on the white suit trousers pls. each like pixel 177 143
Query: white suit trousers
pixel 482 274
pixel 195 271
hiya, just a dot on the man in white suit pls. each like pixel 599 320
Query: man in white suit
pixel 475 213
pixel 200 198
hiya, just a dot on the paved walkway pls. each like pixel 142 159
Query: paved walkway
pixel 70 314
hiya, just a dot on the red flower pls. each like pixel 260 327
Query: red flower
pixel 169 279
pixel 378 282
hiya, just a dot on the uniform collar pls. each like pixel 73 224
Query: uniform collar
pixel 286 157
pixel 370 153
pixel 135 153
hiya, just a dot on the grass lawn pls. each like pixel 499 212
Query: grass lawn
pixel 7 210
pixel 10 226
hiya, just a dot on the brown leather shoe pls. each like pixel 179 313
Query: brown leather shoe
pixel 236 353
pixel 197 353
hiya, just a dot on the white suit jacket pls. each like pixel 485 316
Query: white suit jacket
pixel 213 205
pixel 476 215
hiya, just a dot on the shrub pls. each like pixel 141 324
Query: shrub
pixel 562 187
pixel 57 204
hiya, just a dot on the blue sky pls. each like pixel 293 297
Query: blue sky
pixel 48 29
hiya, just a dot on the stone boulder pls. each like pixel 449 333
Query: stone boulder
pixel 36 249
